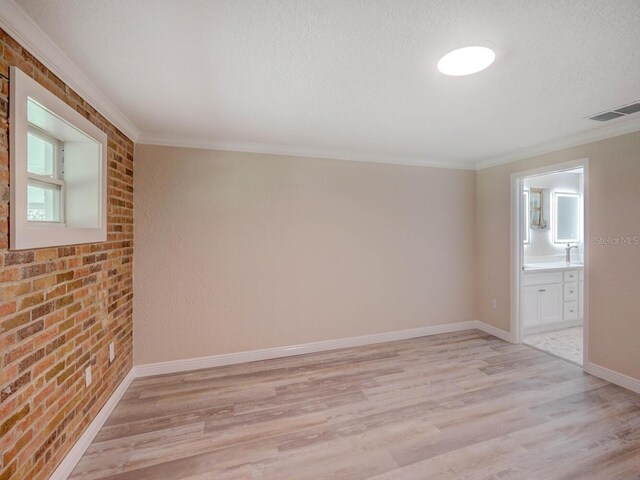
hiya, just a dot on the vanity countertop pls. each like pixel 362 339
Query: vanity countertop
pixel 552 266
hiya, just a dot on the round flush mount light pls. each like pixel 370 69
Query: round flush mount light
pixel 465 61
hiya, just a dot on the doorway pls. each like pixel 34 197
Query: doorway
pixel 549 259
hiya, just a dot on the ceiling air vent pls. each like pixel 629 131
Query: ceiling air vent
pixel 603 117
pixel 633 108
pixel 617 112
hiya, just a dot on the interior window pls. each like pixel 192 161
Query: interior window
pixel 45 190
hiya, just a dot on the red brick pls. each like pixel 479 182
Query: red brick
pixel 8 472
pixel 14 321
pixel 7 308
pixel 31 359
pixel 14 290
pixel 31 329
pixel 35 270
pixel 47 297
pixel 46 254
pixel 9 423
pixel 31 300
pixel 15 258
pixel 14 387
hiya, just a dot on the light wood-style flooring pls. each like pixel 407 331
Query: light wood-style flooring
pixel 456 406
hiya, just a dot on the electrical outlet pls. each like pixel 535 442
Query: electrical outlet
pixel 494 303
pixel 87 376
pixel 112 352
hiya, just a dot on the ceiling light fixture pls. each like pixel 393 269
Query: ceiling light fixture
pixel 465 61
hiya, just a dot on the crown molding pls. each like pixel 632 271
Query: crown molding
pixel 614 130
pixel 27 33
pixel 288 150
pixel 609 131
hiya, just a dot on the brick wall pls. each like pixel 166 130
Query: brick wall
pixel 60 307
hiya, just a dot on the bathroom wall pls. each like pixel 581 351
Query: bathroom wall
pixel 541 247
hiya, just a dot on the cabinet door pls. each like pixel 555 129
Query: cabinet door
pixel 550 303
pixel 529 306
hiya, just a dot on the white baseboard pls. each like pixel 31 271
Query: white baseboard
pixel 495 331
pixel 73 457
pixel 620 379
pixel 188 364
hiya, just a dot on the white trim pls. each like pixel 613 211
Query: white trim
pixel 609 375
pixel 26 234
pixel 75 454
pixel 72 458
pixel 516 251
pixel 198 363
pixel 495 331
pixel 17 23
pixel 586 260
pixel 27 33
pixel 517 248
pixel 601 133
pixel 296 151
pixel 619 128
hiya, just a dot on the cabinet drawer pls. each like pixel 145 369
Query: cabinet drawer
pixel 571 310
pixel 570 291
pixel 571 276
pixel 541 278
pixel 581 275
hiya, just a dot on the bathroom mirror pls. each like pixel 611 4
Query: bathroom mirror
pixel 536 208
pixel 566 214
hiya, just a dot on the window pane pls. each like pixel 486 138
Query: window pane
pixel 44 203
pixel 41 156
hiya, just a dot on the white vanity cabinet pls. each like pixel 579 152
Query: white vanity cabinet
pixel 550 300
pixel 541 299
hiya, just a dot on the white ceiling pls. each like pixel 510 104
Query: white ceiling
pixel 355 79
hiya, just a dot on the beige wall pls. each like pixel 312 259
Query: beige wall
pixel 247 251
pixel 614 271
pixel 244 251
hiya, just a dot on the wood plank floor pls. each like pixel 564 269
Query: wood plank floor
pixel 454 406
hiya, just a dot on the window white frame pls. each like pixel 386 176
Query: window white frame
pixel 59 122
pixel 554 224
pixel 57 180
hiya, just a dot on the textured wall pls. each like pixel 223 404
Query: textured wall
pixel 614 270
pixel 247 251
pixel 60 307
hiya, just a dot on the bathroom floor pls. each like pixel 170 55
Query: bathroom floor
pixel 565 343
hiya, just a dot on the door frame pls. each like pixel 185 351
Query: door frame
pixel 517 247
